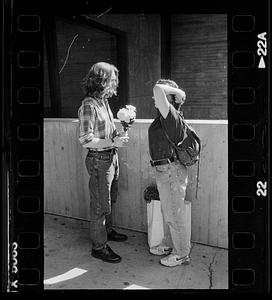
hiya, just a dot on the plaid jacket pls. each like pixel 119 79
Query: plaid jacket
pixel 95 120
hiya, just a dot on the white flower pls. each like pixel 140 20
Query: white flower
pixel 127 114
pixel 132 114
pixel 131 108
pixel 123 115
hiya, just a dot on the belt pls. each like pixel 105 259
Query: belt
pixel 99 150
pixel 162 161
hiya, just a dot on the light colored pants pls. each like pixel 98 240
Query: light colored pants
pixel 172 180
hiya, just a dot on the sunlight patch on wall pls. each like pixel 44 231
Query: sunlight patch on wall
pixel 135 287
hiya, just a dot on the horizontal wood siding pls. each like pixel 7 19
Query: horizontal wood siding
pixel 197 60
pixel 199 63
pixel 66 179
pixel 144 56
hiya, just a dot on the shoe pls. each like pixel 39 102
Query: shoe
pixel 173 260
pixel 160 250
pixel 106 254
pixel 117 237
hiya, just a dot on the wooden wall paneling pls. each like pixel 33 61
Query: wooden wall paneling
pixel 198 59
pixel 199 63
pixel 55 202
pixel 123 188
pixel 66 183
pixel 70 151
pixel 202 192
pixel 47 173
pixel 82 178
pixel 210 206
pixel 165 46
pixel 64 196
pixel 62 170
pixel 50 181
pixel 145 168
pixel 220 188
pixel 134 177
pixel 144 56
pixel 134 180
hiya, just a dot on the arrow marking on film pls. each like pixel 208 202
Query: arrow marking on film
pixel 261 63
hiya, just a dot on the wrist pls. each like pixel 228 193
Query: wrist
pixel 113 142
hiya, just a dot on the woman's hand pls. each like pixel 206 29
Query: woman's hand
pixel 120 141
pixel 169 90
pixel 180 96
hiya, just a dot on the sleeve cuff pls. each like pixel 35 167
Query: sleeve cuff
pixel 86 139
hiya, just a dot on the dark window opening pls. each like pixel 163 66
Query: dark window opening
pixel 71 48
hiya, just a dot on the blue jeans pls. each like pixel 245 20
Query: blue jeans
pixel 103 169
pixel 172 180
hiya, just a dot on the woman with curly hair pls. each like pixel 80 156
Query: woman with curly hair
pixel 97 133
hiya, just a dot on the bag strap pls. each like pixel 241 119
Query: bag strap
pixel 167 136
pixel 192 131
pixel 187 127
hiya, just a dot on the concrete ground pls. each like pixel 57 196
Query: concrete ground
pixel 69 265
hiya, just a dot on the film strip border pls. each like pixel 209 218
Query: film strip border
pixel 26 156
pixel 248 150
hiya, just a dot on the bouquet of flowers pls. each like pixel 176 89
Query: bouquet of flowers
pixel 151 193
pixel 127 117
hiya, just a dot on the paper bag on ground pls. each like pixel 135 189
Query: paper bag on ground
pixel 154 223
